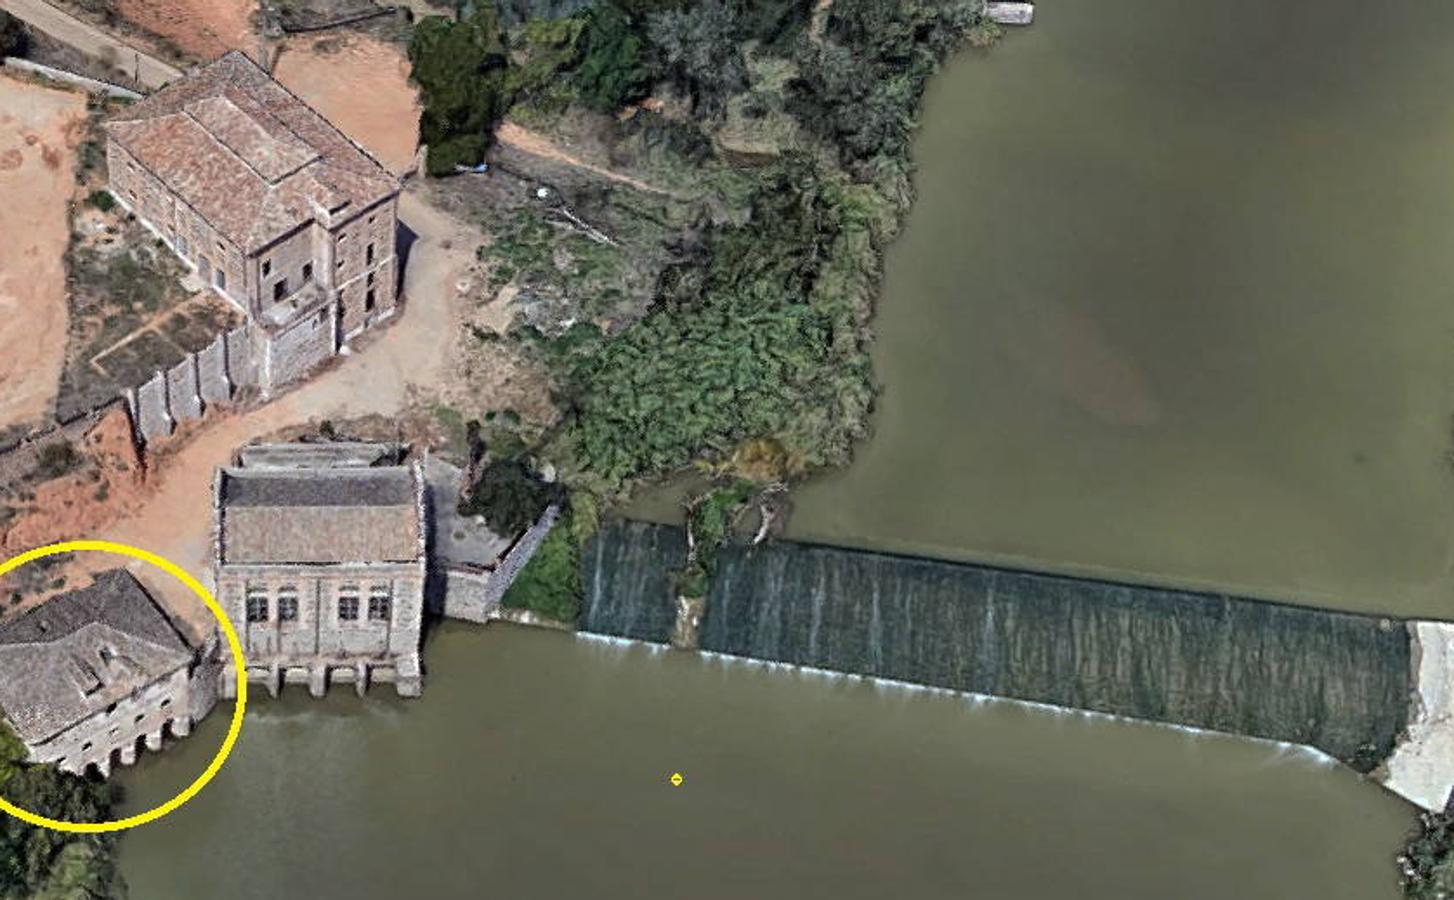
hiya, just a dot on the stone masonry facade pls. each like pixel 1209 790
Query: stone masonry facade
pixel 91 676
pixel 322 570
pixel 275 209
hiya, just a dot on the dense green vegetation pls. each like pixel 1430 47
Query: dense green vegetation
pixel 43 864
pixel 550 584
pixel 1428 861
pixel 778 132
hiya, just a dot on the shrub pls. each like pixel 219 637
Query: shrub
pixel 56 459
pixel 550 584
pixel 102 200
pixel 509 496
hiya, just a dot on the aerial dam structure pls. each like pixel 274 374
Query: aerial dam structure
pixel 1366 690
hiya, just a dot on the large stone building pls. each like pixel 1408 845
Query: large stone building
pixel 89 675
pixel 275 208
pixel 320 562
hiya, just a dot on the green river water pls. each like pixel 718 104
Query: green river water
pixel 1174 306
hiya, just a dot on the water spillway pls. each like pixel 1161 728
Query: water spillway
pixel 1336 681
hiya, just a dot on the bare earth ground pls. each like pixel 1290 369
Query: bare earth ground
pixel 361 85
pixel 38 131
pixel 204 28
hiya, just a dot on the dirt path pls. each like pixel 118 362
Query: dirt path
pixel 537 144
pixel 403 362
pixel 360 85
pixel 38 131
pixel 204 28
pixel 90 40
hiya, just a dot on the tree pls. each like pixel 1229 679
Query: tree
pixel 40 862
pixel 459 66
pixel 509 496
pixel 699 49
pixel 613 69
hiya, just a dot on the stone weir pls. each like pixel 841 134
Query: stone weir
pixel 1334 681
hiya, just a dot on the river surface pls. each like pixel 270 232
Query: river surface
pixel 1174 305
pixel 536 766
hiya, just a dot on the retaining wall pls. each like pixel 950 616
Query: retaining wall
pixel 187 390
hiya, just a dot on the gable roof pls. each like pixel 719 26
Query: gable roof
pixel 249 156
pixel 320 515
pixel 76 654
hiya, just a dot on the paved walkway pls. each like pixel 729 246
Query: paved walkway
pixel 66 28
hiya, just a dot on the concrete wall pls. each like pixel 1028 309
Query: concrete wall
pixel 153 413
pixel 214 384
pixel 1421 768
pixel 81 81
pixel 182 396
pixel 475 595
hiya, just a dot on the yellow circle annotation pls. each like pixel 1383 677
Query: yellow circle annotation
pixel 238 662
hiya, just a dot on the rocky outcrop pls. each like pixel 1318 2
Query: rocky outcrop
pixel 1421 768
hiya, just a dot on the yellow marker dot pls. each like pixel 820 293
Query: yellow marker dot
pixel 676 779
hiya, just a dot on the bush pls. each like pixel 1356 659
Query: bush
pixel 550 584
pixel 613 69
pixel 1428 860
pixel 56 459
pixel 509 496
pixel 102 200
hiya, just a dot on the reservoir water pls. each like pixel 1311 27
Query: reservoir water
pixel 537 764
pixel 1174 306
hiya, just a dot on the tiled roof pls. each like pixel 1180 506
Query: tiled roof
pixel 249 156
pixel 74 655
pixel 320 515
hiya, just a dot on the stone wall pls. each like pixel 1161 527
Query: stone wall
pixel 474 594
pixel 185 392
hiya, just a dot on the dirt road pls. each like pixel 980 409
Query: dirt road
pixel 66 28
pixel 38 129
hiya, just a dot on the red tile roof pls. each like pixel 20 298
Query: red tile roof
pixel 247 155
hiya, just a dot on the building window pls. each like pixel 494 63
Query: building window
pixel 221 280
pixel 371 279
pixel 348 609
pixel 369 300
pixel 139 717
pixel 307 271
pixel 257 606
pixel 381 606
pixel 280 289
pixel 167 702
pixel 369 255
pixel 267 267
pixel 86 746
pixel 221 248
pixel 287 603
